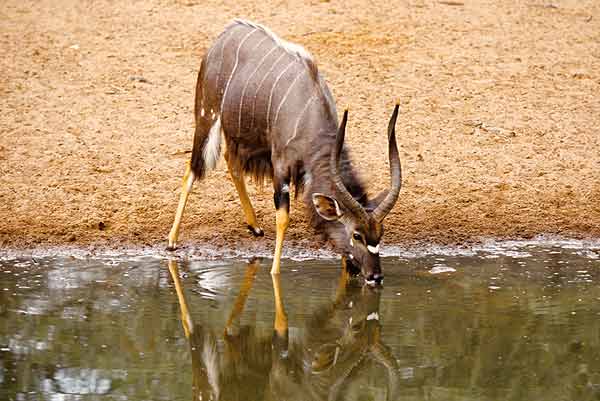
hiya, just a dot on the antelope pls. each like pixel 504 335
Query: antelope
pixel 266 98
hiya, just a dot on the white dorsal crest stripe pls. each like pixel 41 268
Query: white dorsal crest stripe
pixel 373 249
pixel 248 81
pixel 291 48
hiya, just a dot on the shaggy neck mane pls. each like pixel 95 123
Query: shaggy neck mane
pixel 320 181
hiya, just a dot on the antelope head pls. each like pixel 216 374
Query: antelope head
pixel 363 226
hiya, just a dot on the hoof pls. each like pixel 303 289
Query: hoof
pixel 171 248
pixel 256 231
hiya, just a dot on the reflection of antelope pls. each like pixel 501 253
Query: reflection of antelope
pixel 322 365
pixel 266 97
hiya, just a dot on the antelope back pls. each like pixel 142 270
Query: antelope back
pixel 265 90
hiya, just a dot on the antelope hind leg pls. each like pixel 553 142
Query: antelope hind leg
pixel 240 186
pixel 186 189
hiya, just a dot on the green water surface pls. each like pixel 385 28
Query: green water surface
pixel 519 325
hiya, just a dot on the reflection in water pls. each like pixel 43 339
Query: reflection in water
pixel 340 338
pixel 523 325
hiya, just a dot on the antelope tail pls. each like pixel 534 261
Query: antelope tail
pixel 207 147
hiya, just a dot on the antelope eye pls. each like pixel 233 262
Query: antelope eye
pixel 357 237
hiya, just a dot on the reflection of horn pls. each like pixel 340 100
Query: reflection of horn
pixel 356 348
pixel 383 355
pixel 335 388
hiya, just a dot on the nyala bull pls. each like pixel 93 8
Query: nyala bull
pixel 265 98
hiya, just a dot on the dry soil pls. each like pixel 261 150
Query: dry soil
pixel 499 129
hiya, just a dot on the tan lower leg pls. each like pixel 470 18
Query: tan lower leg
pixel 281 321
pixel 282 220
pixel 232 326
pixel 186 188
pixel 186 319
pixel 240 186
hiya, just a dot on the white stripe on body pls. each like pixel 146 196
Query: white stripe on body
pixel 222 57
pixel 212 49
pixel 301 73
pixel 260 85
pixel 237 58
pixel 248 81
pixel 273 90
pixel 306 106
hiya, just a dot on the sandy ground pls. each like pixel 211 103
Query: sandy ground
pixel 499 130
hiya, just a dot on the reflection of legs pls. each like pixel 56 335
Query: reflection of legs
pixel 186 319
pixel 281 321
pixel 186 188
pixel 240 186
pixel 232 326
pixel 282 219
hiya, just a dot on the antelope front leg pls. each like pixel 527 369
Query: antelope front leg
pixel 281 320
pixel 186 188
pixel 282 219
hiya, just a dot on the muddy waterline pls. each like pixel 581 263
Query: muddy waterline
pixel 518 324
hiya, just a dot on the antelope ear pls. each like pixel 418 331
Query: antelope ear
pixel 327 207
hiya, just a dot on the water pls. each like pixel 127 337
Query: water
pixel 513 325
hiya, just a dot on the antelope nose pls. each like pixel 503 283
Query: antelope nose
pixel 375 279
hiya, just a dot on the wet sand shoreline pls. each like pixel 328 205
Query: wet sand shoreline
pixel 512 248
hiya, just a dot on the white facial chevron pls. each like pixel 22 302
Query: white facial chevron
pixel 373 249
